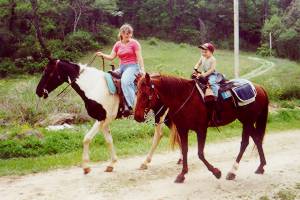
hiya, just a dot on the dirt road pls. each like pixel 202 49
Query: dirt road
pixel 126 182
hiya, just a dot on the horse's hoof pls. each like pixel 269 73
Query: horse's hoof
pixel 179 179
pixel 217 173
pixel 230 176
pixel 143 167
pixel 109 169
pixel 179 162
pixel 86 170
pixel 260 171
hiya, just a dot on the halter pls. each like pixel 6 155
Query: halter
pixel 70 82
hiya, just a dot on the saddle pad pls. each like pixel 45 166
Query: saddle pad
pixel 110 83
pixel 245 92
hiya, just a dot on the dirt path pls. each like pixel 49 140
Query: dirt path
pixel 264 67
pixel 282 171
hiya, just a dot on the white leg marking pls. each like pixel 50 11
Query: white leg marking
pixel 156 138
pixel 86 142
pixel 234 168
pixel 109 141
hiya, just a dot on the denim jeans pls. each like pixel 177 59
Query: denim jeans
pixel 214 86
pixel 128 72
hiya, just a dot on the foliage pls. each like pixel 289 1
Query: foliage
pixel 285 31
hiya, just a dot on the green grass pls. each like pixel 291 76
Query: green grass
pixel 18 109
pixel 130 138
pixel 171 58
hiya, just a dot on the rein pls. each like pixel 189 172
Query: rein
pixel 103 63
pixel 178 110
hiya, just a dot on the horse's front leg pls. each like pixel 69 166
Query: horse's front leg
pixel 156 139
pixel 184 149
pixel 86 142
pixel 110 144
pixel 201 137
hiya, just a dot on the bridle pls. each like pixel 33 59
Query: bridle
pixel 50 76
pixel 70 82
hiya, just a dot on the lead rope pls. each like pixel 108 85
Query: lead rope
pixel 103 64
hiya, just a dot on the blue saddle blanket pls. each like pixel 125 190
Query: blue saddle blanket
pixel 244 91
pixel 110 83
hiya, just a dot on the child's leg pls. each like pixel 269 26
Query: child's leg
pixel 214 86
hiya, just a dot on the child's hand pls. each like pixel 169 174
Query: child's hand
pixel 199 75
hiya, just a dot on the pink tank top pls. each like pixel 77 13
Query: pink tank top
pixel 126 52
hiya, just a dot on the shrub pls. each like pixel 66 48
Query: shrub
pixel 291 92
pixel 80 41
pixel 106 35
pixel 264 50
pixel 153 42
pixel 7 66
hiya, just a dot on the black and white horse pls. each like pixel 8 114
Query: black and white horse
pixel 90 84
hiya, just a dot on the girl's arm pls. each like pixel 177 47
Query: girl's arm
pixel 211 70
pixel 139 56
pixel 111 56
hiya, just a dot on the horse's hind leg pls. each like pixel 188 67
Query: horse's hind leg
pixel 109 140
pixel 201 137
pixel 244 143
pixel 258 143
pixel 86 142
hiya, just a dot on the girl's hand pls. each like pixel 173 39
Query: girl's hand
pixel 99 53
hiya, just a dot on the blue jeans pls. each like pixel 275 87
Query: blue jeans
pixel 214 86
pixel 128 72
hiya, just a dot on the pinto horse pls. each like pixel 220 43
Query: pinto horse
pixel 188 111
pixel 102 106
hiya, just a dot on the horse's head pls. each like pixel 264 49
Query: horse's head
pixel 147 97
pixel 51 78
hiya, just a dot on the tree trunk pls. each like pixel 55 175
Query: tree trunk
pixel 265 10
pixel 13 16
pixel 38 29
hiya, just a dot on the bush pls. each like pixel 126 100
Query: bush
pixel 7 67
pixel 191 36
pixel 57 142
pixel 292 92
pixel 153 42
pixel 30 66
pixel 106 35
pixel 264 50
pixel 80 41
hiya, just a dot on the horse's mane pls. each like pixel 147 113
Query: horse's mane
pixel 69 62
pixel 170 84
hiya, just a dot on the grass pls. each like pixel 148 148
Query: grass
pixel 284 194
pixel 171 58
pixel 19 111
pixel 130 138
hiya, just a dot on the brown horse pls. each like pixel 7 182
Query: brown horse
pixel 188 111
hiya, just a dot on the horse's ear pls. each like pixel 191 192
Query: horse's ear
pixel 137 78
pixel 147 77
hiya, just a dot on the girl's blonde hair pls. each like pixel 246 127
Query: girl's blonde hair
pixel 125 28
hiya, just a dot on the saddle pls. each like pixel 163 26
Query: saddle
pixel 240 92
pixel 114 84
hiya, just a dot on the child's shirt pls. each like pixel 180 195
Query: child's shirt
pixel 206 63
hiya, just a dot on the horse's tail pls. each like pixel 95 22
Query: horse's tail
pixel 174 136
pixel 262 119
